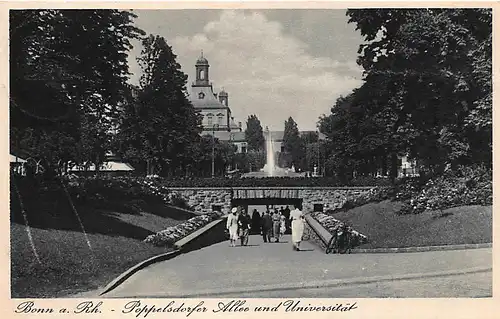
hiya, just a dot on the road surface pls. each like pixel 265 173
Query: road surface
pixel 274 270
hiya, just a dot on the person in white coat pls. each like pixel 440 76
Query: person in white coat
pixel 297 218
pixel 232 227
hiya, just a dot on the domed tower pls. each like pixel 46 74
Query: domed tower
pixel 223 98
pixel 202 71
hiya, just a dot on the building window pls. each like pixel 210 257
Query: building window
pixel 220 118
pixel 202 75
pixel 201 96
pixel 244 147
pixel 282 148
pixel 210 117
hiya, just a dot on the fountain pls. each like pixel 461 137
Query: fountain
pixel 270 168
pixel 270 165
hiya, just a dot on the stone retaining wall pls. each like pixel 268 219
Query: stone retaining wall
pixel 208 237
pixel 203 200
pixel 311 236
pixel 330 198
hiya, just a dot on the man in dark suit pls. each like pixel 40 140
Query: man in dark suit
pixel 267 227
pixel 244 226
pixel 288 222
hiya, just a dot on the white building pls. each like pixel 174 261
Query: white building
pixel 212 106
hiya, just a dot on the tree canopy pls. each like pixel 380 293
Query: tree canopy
pixel 254 134
pixel 162 126
pixel 68 73
pixel 293 144
pixel 426 92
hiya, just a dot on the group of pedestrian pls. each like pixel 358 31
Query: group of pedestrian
pixel 273 225
pixel 238 225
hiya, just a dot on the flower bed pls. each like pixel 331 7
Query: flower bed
pixel 465 186
pixel 332 225
pixel 117 187
pixel 172 234
pixel 376 194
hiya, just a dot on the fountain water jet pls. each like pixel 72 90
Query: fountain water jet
pixel 270 163
pixel 270 168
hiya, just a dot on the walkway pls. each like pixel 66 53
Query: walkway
pixel 275 270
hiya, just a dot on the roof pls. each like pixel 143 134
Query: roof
pixel 110 166
pixel 14 159
pixel 209 101
pixel 201 60
pixel 278 135
pixel 226 136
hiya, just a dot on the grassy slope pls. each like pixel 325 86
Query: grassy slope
pixel 459 225
pixel 67 264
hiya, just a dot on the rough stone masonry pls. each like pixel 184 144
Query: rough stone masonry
pixel 204 200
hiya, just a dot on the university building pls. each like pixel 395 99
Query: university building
pixel 214 107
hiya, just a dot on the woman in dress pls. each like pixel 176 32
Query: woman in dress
pixel 276 225
pixel 297 218
pixel 232 227
pixel 282 224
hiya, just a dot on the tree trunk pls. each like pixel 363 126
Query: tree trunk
pixel 393 174
pixel 384 165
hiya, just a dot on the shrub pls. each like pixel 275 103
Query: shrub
pixel 467 185
pixel 178 201
pixel 270 182
pixel 375 195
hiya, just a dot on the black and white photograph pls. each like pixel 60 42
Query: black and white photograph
pixel 250 153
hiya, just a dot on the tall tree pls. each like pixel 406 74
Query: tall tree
pixel 163 126
pixel 293 144
pixel 254 134
pixel 224 156
pixel 68 72
pixel 434 65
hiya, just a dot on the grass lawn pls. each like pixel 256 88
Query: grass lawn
pixel 72 261
pixel 384 228
pixel 67 264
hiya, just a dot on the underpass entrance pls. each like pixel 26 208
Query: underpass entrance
pixel 257 206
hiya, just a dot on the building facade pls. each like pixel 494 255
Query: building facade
pixel 214 107
pixel 217 120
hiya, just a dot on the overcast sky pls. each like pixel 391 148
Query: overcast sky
pixel 273 63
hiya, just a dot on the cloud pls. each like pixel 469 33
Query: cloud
pixel 266 72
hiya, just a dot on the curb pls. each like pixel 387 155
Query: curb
pixel 420 249
pixel 128 273
pixel 318 284
pixel 322 233
pixel 178 246
pixel 185 240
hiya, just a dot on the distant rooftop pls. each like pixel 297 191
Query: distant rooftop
pixel 240 136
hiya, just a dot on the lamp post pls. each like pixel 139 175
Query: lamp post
pixel 214 127
pixel 231 139
pixel 318 158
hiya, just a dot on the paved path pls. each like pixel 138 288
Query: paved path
pixel 275 270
